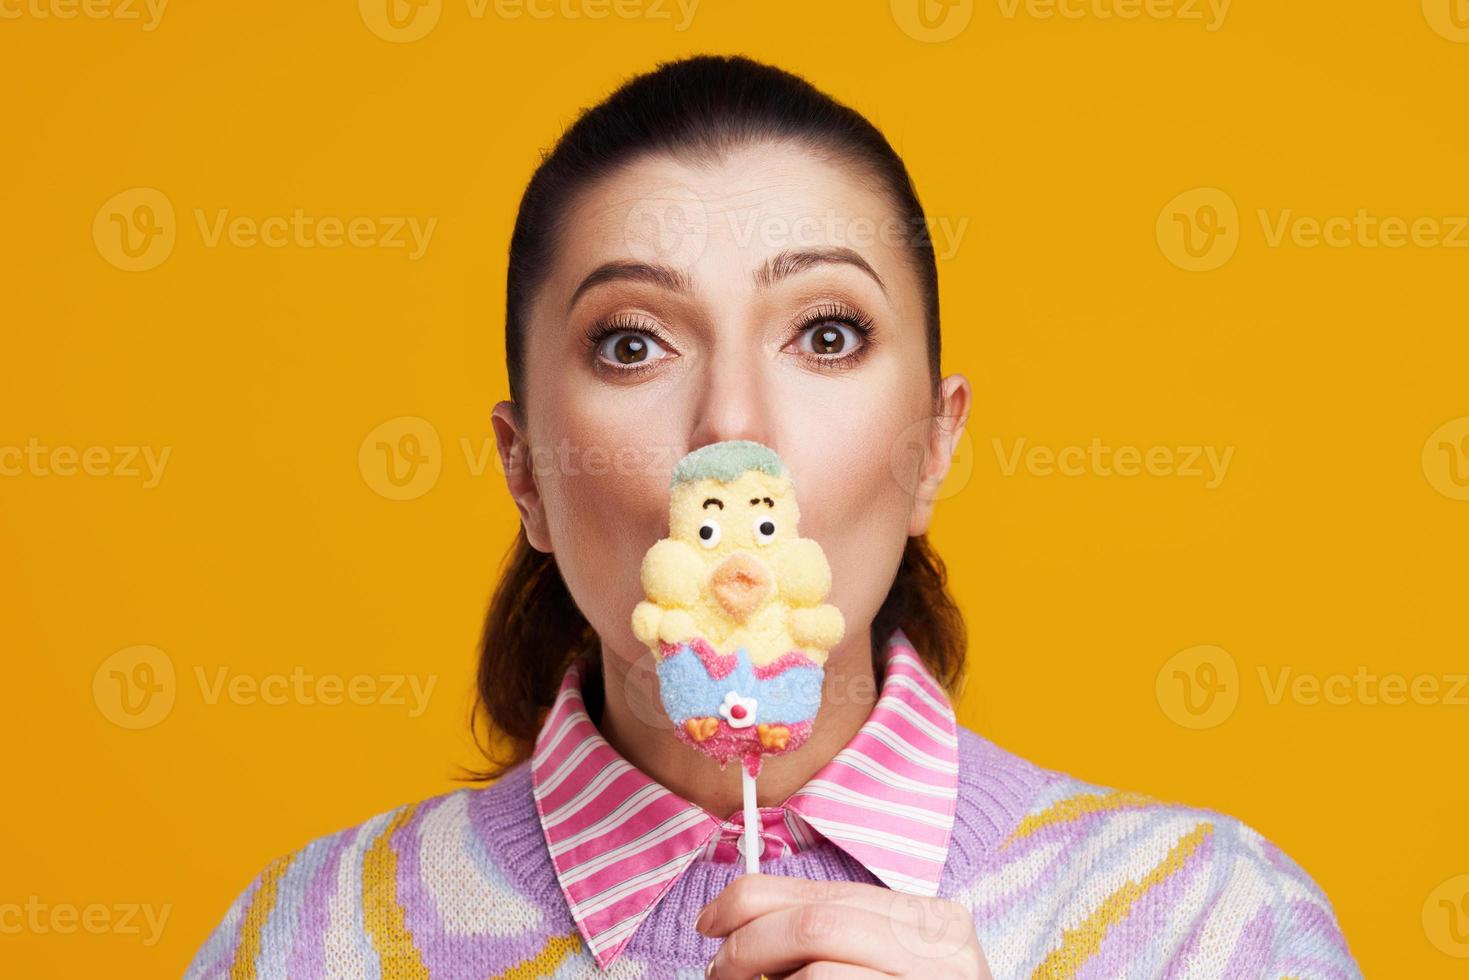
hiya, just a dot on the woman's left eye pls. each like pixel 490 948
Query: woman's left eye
pixel 830 339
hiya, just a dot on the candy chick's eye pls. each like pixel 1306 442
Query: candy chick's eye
pixel 709 533
pixel 764 530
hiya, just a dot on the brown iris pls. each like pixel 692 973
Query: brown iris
pixel 828 340
pixel 630 349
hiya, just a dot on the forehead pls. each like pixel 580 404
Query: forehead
pixel 720 221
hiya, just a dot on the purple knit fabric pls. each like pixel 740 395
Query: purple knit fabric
pixel 1062 878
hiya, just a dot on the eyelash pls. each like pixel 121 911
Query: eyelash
pixel 834 312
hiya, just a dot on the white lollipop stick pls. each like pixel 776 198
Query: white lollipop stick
pixel 752 824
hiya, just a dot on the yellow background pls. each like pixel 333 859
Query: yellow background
pixel 1334 542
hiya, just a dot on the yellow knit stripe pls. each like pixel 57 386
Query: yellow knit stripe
pixel 1074 808
pixel 546 961
pixel 243 966
pixel 1081 944
pixel 382 913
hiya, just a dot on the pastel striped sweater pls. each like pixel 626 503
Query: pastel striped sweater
pixel 1063 879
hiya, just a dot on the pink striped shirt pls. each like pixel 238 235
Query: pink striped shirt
pixel 618 839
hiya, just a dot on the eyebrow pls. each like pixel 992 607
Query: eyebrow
pixel 776 268
pixel 792 261
pixel 713 500
pixel 662 276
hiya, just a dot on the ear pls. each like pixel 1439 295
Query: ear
pixel 520 475
pixel 944 432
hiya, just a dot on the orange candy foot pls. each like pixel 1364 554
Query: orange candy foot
pixel 701 728
pixel 773 736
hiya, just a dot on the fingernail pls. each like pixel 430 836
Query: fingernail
pixel 699 922
pixel 708 970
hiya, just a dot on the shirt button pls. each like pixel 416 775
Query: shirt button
pixel 759 845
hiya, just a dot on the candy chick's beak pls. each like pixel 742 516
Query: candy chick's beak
pixel 742 584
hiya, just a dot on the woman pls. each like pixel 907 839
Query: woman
pixel 721 252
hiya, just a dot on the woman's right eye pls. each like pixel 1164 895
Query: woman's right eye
pixel 629 348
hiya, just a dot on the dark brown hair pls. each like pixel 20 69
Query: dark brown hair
pixel 695 109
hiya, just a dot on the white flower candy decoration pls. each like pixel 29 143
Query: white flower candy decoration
pixel 738 711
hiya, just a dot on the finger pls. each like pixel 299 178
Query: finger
pixel 793 937
pixel 751 896
pixel 827 970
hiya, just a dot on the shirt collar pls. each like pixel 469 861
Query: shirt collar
pixel 618 839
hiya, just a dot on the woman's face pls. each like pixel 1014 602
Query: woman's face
pixel 767 297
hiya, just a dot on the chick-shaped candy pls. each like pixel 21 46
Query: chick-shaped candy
pixel 735 613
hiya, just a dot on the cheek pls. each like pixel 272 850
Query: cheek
pixel 606 502
pixel 853 502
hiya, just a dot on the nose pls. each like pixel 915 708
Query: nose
pixel 734 397
pixel 742 584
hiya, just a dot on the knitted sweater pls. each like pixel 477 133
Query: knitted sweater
pixel 1062 878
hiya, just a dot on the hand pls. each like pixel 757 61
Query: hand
pixel 780 926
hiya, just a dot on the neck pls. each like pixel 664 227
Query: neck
pixel 849 690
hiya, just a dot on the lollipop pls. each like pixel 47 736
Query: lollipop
pixel 735 614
